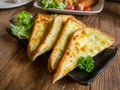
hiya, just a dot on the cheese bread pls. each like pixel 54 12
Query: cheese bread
pixel 39 32
pixel 54 31
pixel 84 42
pixel 60 46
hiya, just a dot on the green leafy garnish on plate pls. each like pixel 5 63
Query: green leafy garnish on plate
pixel 53 4
pixel 22 25
pixel 54 14
pixel 86 63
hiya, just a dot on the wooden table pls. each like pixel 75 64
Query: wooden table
pixel 17 72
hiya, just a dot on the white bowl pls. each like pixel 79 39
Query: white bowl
pixel 96 9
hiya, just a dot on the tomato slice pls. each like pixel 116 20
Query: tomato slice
pixel 70 7
pixel 88 8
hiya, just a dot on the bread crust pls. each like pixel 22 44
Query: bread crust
pixel 38 33
pixel 72 54
pixel 53 33
pixel 70 26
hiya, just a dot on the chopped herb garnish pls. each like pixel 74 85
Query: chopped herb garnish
pixel 54 14
pixel 86 63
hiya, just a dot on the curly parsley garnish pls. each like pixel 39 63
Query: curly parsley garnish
pixel 86 63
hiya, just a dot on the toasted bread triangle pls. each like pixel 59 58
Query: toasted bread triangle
pixel 84 42
pixel 60 46
pixel 39 32
pixel 52 35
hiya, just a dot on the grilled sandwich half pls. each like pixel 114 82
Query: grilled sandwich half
pixel 84 42
pixel 54 31
pixel 71 26
pixel 40 30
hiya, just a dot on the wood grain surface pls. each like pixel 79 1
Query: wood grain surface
pixel 17 72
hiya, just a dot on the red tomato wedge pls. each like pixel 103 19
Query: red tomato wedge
pixel 70 7
pixel 88 9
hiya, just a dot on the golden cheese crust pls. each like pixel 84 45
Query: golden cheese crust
pixel 39 32
pixel 84 42
pixel 53 33
pixel 70 26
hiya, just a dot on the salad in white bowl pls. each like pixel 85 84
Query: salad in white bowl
pixel 82 5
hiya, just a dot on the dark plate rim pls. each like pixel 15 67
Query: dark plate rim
pixel 96 74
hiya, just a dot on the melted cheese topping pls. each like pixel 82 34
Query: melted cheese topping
pixel 52 35
pixel 40 30
pixel 71 26
pixel 84 42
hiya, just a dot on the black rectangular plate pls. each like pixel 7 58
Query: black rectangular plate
pixel 101 61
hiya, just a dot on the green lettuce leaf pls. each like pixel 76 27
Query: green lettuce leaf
pixel 22 25
pixel 53 4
